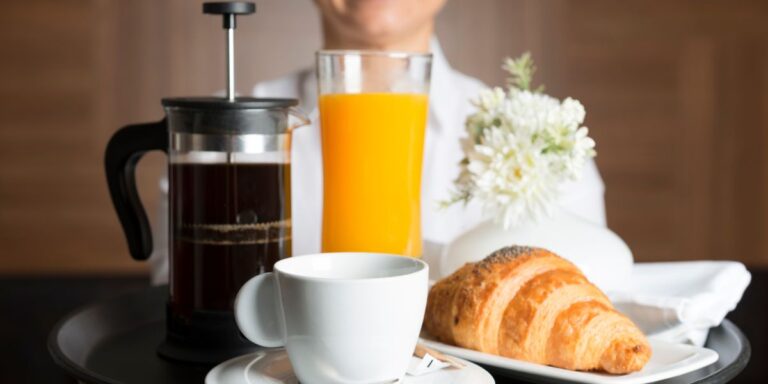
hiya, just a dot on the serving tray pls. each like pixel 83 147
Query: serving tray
pixel 115 341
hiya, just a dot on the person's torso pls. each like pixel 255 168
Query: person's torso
pixel 440 164
pixel 449 105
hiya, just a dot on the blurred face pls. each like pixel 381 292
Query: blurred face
pixel 377 23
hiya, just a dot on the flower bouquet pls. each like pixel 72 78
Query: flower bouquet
pixel 522 145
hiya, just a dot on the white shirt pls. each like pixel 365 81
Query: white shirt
pixel 448 108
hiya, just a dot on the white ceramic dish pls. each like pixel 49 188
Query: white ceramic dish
pixel 273 367
pixel 668 360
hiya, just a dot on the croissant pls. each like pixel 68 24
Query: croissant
pixel 530 304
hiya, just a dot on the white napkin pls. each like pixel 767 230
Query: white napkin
pixel 680 301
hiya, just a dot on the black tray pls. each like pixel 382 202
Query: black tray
pixel 115 341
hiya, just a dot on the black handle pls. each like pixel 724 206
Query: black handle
pixel 124 150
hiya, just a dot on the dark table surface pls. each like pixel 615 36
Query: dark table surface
pixel 29 308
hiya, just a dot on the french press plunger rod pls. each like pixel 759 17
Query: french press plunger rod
pixel 229 11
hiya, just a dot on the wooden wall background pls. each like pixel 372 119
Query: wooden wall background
pixel 676 94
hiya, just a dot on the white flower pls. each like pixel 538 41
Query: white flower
pixel 522 145
pixel 508 176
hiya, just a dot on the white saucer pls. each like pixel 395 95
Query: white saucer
pixel 271 366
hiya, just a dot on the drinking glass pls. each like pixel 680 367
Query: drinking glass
pixel 373 115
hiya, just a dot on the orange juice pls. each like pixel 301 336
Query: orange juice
pixel 372 151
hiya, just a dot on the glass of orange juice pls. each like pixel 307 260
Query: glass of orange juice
pixel 373 117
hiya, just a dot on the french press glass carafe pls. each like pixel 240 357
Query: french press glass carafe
pixel 229 203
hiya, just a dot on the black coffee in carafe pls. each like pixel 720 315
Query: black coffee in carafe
pixel 229 210
pixel 228 223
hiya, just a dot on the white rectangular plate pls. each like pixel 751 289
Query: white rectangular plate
pixel 668 360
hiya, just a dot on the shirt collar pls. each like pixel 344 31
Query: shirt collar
pixel 442 95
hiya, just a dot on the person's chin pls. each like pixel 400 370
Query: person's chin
pixel 378 31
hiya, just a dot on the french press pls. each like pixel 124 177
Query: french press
pixel 229 203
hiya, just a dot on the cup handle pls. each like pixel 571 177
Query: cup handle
pixel 256 311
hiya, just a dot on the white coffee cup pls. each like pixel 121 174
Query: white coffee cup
pixel 342 317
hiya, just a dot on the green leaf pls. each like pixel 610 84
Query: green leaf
pixel 521 72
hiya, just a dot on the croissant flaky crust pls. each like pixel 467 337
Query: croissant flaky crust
pixel 530 304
